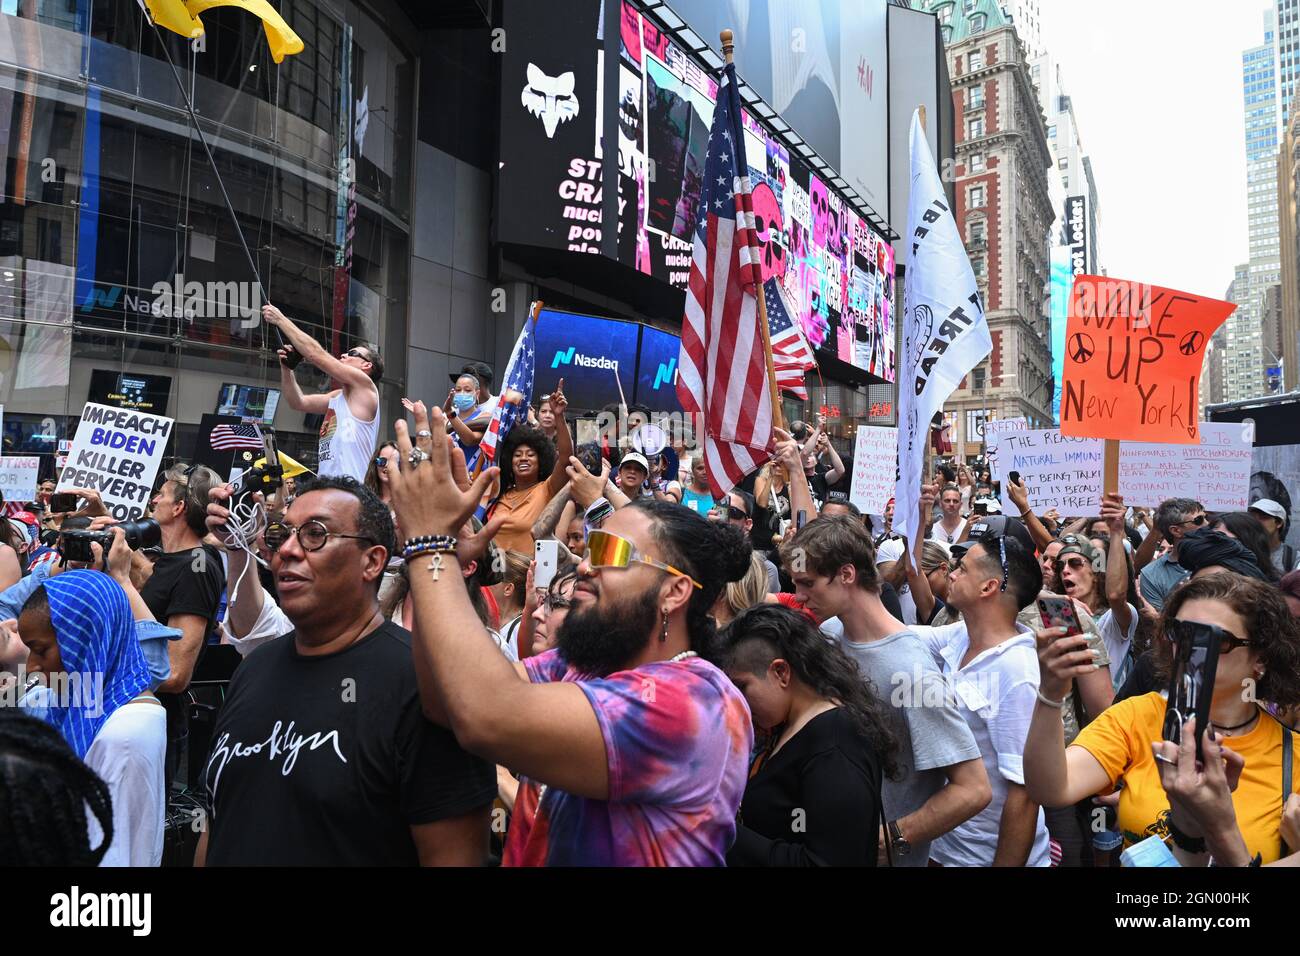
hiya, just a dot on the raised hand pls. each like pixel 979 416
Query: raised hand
pixel 1061 659
pixel 427 497
pixel 1112 510
pixel 586 486
pixel 559 404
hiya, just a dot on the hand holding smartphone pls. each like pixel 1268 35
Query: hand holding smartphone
pixel 547 554
pixel 1059 612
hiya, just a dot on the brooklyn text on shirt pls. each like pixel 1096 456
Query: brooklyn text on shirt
pixel 281 742
pixel 920 688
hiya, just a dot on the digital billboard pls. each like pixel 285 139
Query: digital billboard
pixel 592 355
pixel 656 370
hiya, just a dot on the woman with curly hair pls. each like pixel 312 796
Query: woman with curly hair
pixel 529 477
pixel 1259 661
pixel 829 746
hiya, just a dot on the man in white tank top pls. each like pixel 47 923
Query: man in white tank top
pixel 351 412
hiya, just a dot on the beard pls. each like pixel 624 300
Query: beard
pixel 602 638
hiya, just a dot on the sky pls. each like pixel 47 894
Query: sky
pixel 1156 87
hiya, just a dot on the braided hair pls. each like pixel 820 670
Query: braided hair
pixel 44 792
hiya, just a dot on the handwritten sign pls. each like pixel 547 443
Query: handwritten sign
pixel 117 452
pixel 1216 472
pixel 1058 471
pixel 18 478
pixel 1133 357
pixel 875 468
pixel 995 429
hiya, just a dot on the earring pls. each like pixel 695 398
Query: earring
pixel 663 636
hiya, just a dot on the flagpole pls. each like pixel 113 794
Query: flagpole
pixel 778 420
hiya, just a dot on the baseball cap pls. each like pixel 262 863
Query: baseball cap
pixel 1269 507
pixel 1078 544
pixel 634 458
pixel 480 370
pixel 995 526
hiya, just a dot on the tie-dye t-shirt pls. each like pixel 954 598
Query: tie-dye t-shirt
pixel 678 737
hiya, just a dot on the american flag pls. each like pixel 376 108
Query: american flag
pixel 722 367
pixel 791 356
pixel 226 437
pixel 519 377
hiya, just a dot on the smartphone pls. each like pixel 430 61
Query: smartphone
pixel 63 501
pixel 800 520
pixel 292 358
pixel 1014 476
pixel 547 554
pixel 1059 612
pixel 1191 681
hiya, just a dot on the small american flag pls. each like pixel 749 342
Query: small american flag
pixel 791 356
pixel 722 366
pixel 226 437
pixel 519 377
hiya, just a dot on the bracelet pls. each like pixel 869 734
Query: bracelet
pixel 1184 841
pixel 1256 860
pixel 428 544
pixel 1058 705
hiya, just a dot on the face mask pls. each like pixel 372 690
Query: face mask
pixel 463 402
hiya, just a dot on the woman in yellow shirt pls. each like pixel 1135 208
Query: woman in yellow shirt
pixel 1259 659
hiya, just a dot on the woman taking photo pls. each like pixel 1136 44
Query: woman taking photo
pixel 529 478
pixel 1259 649
pixel 813 797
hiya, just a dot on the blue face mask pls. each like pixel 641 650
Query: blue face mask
pixel 463 401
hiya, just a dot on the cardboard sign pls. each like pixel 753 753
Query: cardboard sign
pixel 1216 472
pixel 1133 357
pixel 18 478
pixel 995 429
pixel 1058 471
pixel 117 452
pixel 875 468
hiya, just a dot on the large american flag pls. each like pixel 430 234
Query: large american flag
pixel 519 376
pixel 226 437
pixel 722 367
pixel 791 355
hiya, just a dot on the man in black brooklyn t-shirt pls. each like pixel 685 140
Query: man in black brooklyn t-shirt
pixel 321 755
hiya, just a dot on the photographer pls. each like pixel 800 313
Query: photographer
pixel 185 588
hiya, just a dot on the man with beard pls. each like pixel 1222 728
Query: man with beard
pixel 632 745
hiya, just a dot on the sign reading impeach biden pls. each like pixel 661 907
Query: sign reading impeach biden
pixel 117 453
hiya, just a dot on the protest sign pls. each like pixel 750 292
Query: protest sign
pixel 116 452
pixel 1058 471
pixel 1215 472
pixel 18 478
pixel 875 468
pixel 1133 357
pixel 995 429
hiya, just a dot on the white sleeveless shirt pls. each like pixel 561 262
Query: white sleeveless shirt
pixel 346 443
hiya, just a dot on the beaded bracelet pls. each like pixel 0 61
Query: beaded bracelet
pixel 428 542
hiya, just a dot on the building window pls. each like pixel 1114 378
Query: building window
pixel 977 197
pixel 947 35
pixel 975 98
pixel 978 23
pixel 977 378
pixel 944 13
pixel 978 231
pixel 975 61
pixel 975 127
pixel 1063 162
pixel 976 162
pixel 977 266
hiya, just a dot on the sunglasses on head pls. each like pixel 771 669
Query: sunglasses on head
pixel 987 541
pixel 1183 631
pixel 605 550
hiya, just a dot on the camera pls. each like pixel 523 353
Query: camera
pixel 75 544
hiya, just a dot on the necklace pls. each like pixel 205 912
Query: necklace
pixel 682 656
pixel 1238 726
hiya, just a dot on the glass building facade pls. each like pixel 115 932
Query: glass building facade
pixel 117 252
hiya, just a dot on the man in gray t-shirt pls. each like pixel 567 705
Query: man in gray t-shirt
pixel 931 733
pixel 942 781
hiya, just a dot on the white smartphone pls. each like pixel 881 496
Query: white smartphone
pixel 548 559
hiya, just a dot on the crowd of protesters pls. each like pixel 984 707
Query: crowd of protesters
pixel 762 678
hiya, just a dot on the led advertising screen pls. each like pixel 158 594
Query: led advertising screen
pixel 248 401
pixel 656 370
pixel 592 355
pixel 141 393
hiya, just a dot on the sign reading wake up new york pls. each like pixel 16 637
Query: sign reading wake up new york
pixel 1133 357
pixel 117 452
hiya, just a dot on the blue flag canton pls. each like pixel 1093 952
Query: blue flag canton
pixel 724 157
pixel 520 378
pixel 778 319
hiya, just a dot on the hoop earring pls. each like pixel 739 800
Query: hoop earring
pixel 663 635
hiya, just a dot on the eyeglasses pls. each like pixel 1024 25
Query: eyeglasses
pixel 735 514
pixel 1198 521
pixel 1179 631
pixel 357 353
pixel 312 536
pixel 605 550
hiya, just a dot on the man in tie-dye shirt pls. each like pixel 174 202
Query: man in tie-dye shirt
pixel 633 748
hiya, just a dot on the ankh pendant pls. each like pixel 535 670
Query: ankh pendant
pixel 435 567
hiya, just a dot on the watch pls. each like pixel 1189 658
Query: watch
pixel 897 841
pixel 1184 841
pixel 453 413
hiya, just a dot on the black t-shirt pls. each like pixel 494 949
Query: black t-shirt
pixel 329 761
pixel 186 582
pixel 826 778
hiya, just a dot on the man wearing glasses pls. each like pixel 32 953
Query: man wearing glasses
pixel 351 411
pixel 1175 518
pixel 992 662
pixel 321 755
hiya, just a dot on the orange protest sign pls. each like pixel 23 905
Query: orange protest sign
pixel 1133 357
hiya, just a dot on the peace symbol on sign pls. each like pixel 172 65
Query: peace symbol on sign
pixel 1191 343
pixel 1082 347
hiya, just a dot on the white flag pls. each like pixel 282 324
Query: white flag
pixel 945 334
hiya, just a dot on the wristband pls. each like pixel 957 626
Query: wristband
pixel 428 544
pixel 1057 705
pixel 1184 842
pixel 597 512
